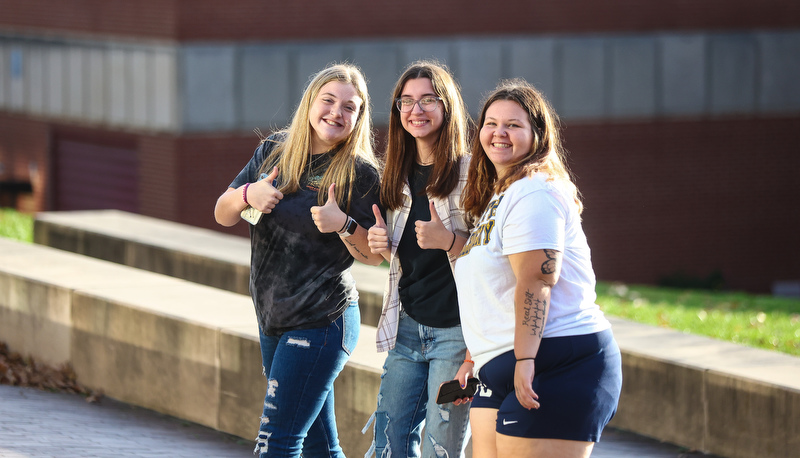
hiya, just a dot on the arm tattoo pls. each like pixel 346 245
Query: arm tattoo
pixel 549 266
pixel 535 312
pixel 355 248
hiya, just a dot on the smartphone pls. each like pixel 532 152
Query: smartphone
pixel 250 214
pixel 450 391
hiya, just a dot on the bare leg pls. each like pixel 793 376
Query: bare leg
pixel 484 432
pixel 521 447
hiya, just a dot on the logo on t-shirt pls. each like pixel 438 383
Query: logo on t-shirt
pixel 481 235
pixel 314 182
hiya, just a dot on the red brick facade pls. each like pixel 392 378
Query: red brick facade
pixel 691 196
pixel 661 197
pixel 25 155
pixel 195 20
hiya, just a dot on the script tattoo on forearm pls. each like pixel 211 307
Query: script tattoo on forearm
pixel 534 314
pixel 355 248
pixel 549 266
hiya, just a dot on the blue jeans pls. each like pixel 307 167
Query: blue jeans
pixel 300 367
pixel 423 358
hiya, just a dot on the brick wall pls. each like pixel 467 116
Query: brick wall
pixel 661 196
pixel 142 18
pixel 692 196
pixel 206 166
pixel 191 20
pixel 25 157
pixel 159 187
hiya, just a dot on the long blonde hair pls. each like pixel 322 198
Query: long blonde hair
pixel 546 154
pixel 292 156
pixel 449 148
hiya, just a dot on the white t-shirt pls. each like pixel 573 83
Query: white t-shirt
pixel 532 214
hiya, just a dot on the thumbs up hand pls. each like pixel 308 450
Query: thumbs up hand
pixel 378 236
pixel 432 234
pixel 329 217
pixel 262 195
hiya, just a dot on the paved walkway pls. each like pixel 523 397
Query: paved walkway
pixel 37 423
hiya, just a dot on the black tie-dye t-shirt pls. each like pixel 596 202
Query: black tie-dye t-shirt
pixel 300 278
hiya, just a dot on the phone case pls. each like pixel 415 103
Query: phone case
pixel 451 390
pixel 250 214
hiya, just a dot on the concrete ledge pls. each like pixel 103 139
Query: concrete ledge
pixel 701 393
pixel 195 254
pixel 170 345
pixel 706 394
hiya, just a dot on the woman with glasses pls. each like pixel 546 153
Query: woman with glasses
pixel 425 171
pixel 308 219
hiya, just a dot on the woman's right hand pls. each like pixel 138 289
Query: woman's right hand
pixel 378 236
pixel 464 373
pixel 262 195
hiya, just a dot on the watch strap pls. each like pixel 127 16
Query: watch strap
pixel 349 228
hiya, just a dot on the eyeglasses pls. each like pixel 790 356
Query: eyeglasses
pixel 406 104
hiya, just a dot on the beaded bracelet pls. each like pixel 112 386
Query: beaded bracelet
pixel 244 193
pixel 469 361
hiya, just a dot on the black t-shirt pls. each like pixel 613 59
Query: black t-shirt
pixel 427 288
pixel 300 278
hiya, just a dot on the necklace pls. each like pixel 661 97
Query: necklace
pixel 317 160
pixel 428 162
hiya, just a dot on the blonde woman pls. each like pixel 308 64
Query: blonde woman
pixel 548 363
pixel 425 171
pixel 314 184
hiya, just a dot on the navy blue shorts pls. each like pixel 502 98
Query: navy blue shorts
pixel 578 380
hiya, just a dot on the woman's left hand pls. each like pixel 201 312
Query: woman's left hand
pixel 432 234
pixel 523 384
pixel 329 217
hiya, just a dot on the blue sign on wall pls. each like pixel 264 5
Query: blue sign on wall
pixel 16 63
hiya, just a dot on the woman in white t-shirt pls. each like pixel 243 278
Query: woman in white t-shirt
pixel 547 360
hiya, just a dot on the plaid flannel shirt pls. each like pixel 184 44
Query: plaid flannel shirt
pixel 452 214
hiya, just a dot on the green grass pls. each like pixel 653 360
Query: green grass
pixel 757 321
pixel 15 225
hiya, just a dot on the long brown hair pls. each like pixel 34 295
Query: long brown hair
pixel 293 155
pixel 546 154
pixel 449 148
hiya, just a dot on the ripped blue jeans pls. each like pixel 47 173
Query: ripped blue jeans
pixel 300 367
pixel 422 359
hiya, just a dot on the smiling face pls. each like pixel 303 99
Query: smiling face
pixel 506 134
pixel 422 125
pixel 333 115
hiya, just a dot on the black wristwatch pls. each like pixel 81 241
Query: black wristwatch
pixel 349 228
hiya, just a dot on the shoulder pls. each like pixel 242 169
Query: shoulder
pixel 526 185
pixel 539 193
pixel 463 165
pixel 275 139
pixel 365 166
pixel 367 174
pixel 269 143
pixel 531 192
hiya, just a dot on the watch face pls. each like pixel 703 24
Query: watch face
pixel 351 226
